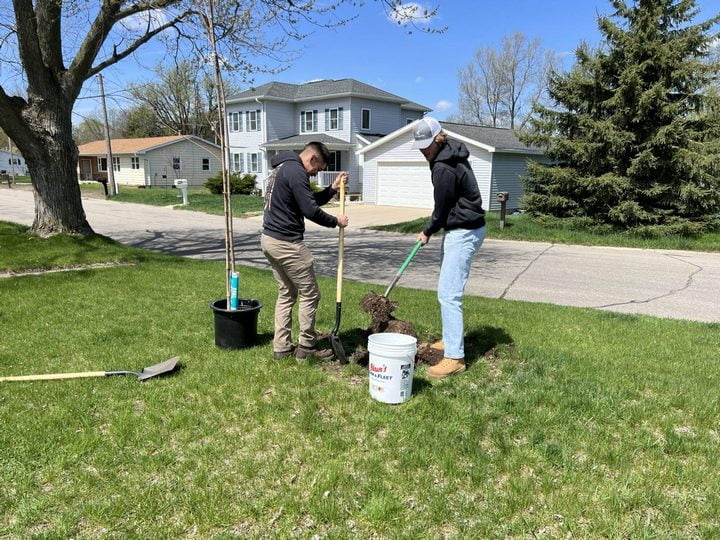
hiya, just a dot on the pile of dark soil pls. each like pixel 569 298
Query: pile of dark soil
pixel 380 310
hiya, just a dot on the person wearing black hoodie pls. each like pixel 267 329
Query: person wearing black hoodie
pixel 458 210
pixel 288 201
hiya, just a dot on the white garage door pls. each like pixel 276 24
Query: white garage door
pixel 405 184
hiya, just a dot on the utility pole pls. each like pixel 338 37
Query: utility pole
pixel 110 164
pixel 12 164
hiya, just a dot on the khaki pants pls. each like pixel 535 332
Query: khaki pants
pixel 292 265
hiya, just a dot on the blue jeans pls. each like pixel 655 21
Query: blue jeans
pixel 458 248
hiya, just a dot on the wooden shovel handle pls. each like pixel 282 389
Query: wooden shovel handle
pixel 341 245
pixel 53 376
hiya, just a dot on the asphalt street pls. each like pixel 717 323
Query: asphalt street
pixel 663 283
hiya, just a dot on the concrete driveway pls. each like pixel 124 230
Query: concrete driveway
pixel 676 284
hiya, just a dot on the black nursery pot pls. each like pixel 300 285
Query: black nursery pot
pixel 236 329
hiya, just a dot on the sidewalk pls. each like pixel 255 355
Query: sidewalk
pixel 676 284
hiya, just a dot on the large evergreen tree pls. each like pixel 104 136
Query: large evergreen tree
pixel 633 136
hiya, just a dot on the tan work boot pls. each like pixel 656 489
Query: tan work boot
pixel 438 346
pixel 446 367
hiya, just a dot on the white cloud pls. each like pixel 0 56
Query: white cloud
pixel 443 105
pixel 419 79
pixel 139 21
pixel 410 12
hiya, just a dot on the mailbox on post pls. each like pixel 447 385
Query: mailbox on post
pixel 502 197
pixel 182 185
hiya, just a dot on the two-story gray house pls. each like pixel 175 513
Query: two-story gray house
pixel 343 114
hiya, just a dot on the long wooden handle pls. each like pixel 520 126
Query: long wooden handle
pixel 53 376
pixel 341 245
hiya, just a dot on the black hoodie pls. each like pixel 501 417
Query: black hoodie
pixel 458 204
pixel 292 200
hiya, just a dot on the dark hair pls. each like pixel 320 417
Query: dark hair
pixel 320 150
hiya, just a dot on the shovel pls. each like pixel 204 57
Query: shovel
pixel 337 346
pixel 418 245
pixel 144 374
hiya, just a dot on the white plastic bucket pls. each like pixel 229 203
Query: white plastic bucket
pixel 391 366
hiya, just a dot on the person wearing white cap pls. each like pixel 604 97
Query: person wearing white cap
pixel 458 210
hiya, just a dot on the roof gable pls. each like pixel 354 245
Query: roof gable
pixel 321 89
pixel 487 138
pixel 136 146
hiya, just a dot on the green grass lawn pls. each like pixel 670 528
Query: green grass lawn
pixel 199 200
pixel 524 227
pixel 22 251
pixel 568 422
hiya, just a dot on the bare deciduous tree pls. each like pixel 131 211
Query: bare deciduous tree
pixel 55 47
pixel 499 86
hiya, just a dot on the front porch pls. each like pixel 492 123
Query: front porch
pixel 340 159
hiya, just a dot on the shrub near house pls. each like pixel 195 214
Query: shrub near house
pixel 239 184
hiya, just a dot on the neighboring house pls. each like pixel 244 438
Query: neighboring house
pixel 395 174
pixel 12 161
pixel 151 161
pixel 342 114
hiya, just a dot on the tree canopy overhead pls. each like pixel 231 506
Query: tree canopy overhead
pixel 633 135
pixel 54 47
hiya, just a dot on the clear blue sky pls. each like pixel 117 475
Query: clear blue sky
pixel 420 67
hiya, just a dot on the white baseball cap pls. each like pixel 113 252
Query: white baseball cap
pixel 425 131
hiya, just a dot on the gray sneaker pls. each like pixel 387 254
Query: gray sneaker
pixel 283 354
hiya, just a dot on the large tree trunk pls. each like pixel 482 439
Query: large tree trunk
pixel 51 156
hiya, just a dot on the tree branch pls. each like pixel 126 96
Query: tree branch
pixel 116 57
pixel 29 46
pixel 11 120
pixel 48 23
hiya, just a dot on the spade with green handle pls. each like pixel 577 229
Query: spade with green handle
pixel 418 245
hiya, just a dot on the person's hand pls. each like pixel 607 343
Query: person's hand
pixel 422 237
pixel 341 177
pixel 342 221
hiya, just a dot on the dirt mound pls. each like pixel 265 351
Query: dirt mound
pixel 380 310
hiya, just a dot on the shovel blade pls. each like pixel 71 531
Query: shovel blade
pixel 159 369
pixel 338 349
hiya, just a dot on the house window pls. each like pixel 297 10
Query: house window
pixel 333 119
pixel 308 121
pixel 333 163
pixel 176 163
pixel 102 164
pixel 116 164
pixel 253 120
pixel 134 162
pixel 254 164
pixel 365 121
pixel 409 121
pixel 235 121
pixel 205 164
pixel 237 163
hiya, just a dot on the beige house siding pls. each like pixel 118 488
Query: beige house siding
pixel 191 153
pixel 156 166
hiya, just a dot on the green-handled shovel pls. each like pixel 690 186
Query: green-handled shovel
pixel 335 342
pixel 418 245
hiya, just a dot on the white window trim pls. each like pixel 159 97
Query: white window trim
pixel 179 162
pixel 337 119
pixel 254 168
pixel 369 119
pixel 100 166
pixel 235 120
pixel 116 164
pixel 256 115
pixel 304 121
pixel 135 163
